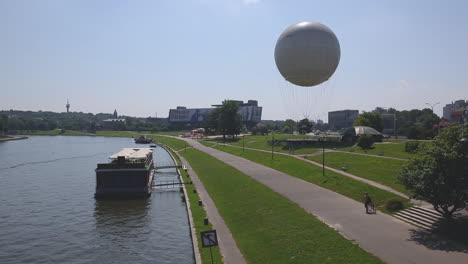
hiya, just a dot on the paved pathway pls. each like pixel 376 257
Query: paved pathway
pixel 227 244
pixel 388 238
pixel 373 183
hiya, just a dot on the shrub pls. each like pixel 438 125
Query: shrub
pixel 394 205
pixel 411 146
pixel 365 141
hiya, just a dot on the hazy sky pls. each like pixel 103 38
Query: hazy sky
pixel 145 57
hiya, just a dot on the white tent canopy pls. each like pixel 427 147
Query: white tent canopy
pixel 133 153
pixel 365 130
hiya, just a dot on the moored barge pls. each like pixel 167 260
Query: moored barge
pixel 143 140
pixel 129 174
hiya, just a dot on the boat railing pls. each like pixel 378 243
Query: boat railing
pixel 121 166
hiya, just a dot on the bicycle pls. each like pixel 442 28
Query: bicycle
pixel 371 208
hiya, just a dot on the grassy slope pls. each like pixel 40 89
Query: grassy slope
pixel 389 149
pixel 269 228
pixel 395 148
pixel 174 143
pixel 198 215
pixel 380 170
pixel 261 142
pixel 311 173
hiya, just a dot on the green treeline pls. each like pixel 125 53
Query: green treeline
pixel 79 121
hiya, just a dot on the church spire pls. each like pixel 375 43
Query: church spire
pixel 68 106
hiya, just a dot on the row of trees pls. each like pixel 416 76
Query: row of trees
pixel 3 124
pixel 44 120
pixel 414 124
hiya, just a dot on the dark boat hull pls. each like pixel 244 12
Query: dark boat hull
pixel 124 183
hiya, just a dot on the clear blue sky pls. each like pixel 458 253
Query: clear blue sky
pixel 142 57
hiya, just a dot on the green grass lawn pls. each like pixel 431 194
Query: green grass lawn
pixel 198 215
pixel 117 134
pixel 301 169
pixel 261 142
pixel 376 169
pixel 396 150
pixel 174 143
pixel 267 227
pixel 54 132
pixel 169 133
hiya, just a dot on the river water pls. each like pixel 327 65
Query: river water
pixel 48 213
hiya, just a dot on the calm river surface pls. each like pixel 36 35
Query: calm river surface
pixel 48 213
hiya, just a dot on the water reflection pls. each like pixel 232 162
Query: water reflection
pixel 120 220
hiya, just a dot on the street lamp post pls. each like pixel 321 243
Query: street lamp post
pixel 321 140
pixel 432 106
pixel 272 143
pixel 432 109
pixel 323 158
pixel 243 143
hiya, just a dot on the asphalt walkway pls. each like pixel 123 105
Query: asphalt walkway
pixel 367 181
pixel 388 238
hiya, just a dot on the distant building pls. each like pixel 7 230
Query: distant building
pixel 342 119
pixel 389 120
pixel 115 115
pixel 250 112
pixel 459 115
pixel 451 111
pixel 113 123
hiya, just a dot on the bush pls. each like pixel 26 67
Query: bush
pixel 394 205
pixel 411 146
pixel 365 141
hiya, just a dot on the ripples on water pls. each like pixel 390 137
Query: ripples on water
pixel 48 213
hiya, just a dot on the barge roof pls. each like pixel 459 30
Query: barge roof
pixel 133 153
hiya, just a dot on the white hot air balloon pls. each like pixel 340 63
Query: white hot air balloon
pixel 307 53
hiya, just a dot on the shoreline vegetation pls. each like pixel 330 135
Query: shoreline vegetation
pixel 61 132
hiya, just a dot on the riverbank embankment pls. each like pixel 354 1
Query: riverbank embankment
pixel 8 138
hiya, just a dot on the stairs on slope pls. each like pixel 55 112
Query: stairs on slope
pixel 422 217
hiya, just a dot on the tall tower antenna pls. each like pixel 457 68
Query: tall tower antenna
pixel 68 106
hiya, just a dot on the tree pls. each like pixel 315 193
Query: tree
pixel 225 119
pixel 304 126
pixel 260 129
pixel 365 141
pixel 289 126
pixel 370 119
pixel 417 124
pixel 439 173
pixel 3 124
